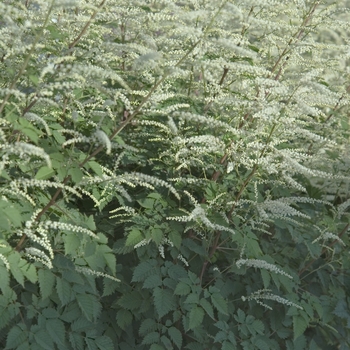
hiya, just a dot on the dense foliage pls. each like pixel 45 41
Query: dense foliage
pixel 174 174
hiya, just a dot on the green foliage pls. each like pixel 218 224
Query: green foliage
pixel 174 175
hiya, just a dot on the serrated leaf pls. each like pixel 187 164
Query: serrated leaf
pixel 43 340
pixel 240 316
pixel 164 301
pixel 299 326
pixel 124 318
pixel 29 272
pixel 142 271
pixel 104 343
pixel 258 326
pixel 56 330
pixel 175 336
pixel 46 281
pixel 219 303
pixel 134 237
pixel 300 343
pixel 182 288
pixel 175 238
pixel 152 282
pixel 71 244
pixel 15 337
pixel 157 235
pixel 15 261
pixel 196 317
pixel 151 338
pixel 341 309
pixel 226 345
pixel 148 325
pixel 207 307
pixel 76 174
pixel 44 173
pixel 63 290
pixel 89 306
pixel 130 301
pixel 76 341
pixel 96 168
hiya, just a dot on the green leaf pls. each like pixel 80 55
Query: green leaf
pixel 143 270
pixel 219 303
pixel 157 235
pixel 148 325
pixel 89 305
pixel 96 168
pixel 175 238
pixel 76 174
pixel 124 318
pixel 207 307
pixel 104 343
pixel 258 326
pixel 15 337
pixel 46 282
pixel 134 237
pixel 43 340
pixel 131 300
pixel 175 336
pixel 182 288
pixel 152 282
pixel 151 338
pixel 63 290
pixel 56 330
pixel 76 340
pixel 71 244
pixel 44 173
pixel 196 317
pixel 164 301
pixel 299 326
pixel 15 262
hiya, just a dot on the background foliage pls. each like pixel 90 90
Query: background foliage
pixel 174 175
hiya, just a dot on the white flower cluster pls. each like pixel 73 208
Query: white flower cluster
pixel 88 271
pixel 39 255
pixel 328 235
pixel 261 264
pixel 23 150
pixel 265 294
pixel 5 261
pixel 56 225
pixel 181 258
pixel 198 213
pixel 143 243
pixel 142 178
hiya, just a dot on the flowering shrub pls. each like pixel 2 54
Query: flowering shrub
pixel 174 175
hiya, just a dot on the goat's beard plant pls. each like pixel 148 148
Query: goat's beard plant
pixel 174 174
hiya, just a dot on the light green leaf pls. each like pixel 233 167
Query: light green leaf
pixel 124 318
pixel 46 282
pixel 134 237
pixel 44 173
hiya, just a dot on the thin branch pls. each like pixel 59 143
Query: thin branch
pixel 87 25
